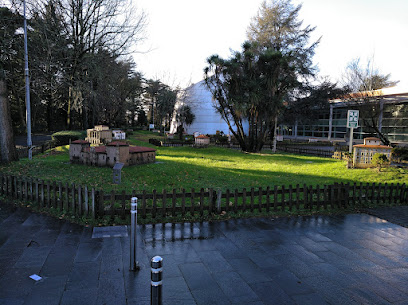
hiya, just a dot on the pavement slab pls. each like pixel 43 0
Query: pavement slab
pixel 342 259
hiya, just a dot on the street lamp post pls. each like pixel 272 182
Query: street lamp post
pixel 27 88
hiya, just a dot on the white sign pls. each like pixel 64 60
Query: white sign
pixel 151 126
pixel 352 118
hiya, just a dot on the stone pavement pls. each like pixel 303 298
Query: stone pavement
pixel 351 259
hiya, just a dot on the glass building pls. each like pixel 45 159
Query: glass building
pixel 387 110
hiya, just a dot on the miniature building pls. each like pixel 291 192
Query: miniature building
pixel 80 151
pixel 118 135
pixel 202 140
pixel 363 153
pixel 99 135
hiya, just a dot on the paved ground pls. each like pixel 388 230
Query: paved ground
pixel 355 259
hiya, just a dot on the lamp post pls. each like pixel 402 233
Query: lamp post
pixel 27 88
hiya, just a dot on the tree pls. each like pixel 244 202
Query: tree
pixel 8 26
pixel 253 85
pixel 184 116
pixel 379 160
pixel 7 147
pixel 152 90
pixel 365 79
pixel 362 82
pixel 89 27
pixel 315 99
pixel 166 100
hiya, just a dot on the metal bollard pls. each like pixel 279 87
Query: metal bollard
pixel 156 280
pixel 133 234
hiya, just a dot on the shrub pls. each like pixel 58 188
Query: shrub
pixel 63 137
pixel 400 153
pixel 379 160
pixel 155 142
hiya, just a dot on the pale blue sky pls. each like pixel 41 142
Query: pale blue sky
pixel 183 33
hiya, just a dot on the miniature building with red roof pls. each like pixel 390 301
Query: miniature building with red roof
pixel 82 152
pixel 363 153
pixel 202 140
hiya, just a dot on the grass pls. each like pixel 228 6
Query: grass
pixel 213 167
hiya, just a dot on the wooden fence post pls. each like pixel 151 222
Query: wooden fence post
pixel 15 187
pixel 154 207
pixel 252 199
pixel 123 204
pixel 42 194
pixel 73 198
pixel 79 200
pixel 48 194
pixel 26 188
pixel 164 203
pixel 260 199
pixel 268 202
pixel 192 208
pixel 236 201
pixel 219 196
pixel 66 201
pixel 201 202
pixel 54 192
pixel 173 203
pixel 59 196
pixel 305 197
pixel 290 197
pixel 144 204
pixel 36 191
pixel 101 204
pixel 227 201
pixel 93 203
pixel 211 201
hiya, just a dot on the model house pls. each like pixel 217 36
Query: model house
pixel 363 153
pixel 80 151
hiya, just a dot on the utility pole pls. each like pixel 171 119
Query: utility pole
pixel 27 89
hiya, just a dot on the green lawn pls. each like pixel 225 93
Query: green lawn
pixel 186 167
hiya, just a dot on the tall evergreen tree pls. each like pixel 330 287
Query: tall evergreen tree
pixel 253 84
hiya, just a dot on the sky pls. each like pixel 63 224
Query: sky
pixel 182 34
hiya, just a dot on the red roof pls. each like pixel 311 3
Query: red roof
pixel 201 136
pixel 80 142
pixel 140 149
pixel 118 143
pixel 372 146
pixel 98 149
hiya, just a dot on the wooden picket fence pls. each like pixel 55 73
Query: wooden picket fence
pixel 83 201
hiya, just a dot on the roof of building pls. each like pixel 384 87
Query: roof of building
pixel 80 142
pixel 372 139
pixel 139 149
pixel 118 143
pixel 372 146
pixel 201 136
pixel 98 149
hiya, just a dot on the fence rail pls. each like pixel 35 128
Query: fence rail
pixel 83 201
pixel 306 151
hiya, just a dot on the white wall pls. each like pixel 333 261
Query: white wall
pixel 207 119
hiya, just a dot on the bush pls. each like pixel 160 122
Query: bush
pixel 379 160
pixel 63 137
pixel 400 154
pixel 155 142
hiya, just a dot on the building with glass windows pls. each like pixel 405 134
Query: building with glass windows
pixel 386 109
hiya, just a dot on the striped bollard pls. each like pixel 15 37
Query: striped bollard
pixel 156 280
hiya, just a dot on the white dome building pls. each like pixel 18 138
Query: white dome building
pixel 207 119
